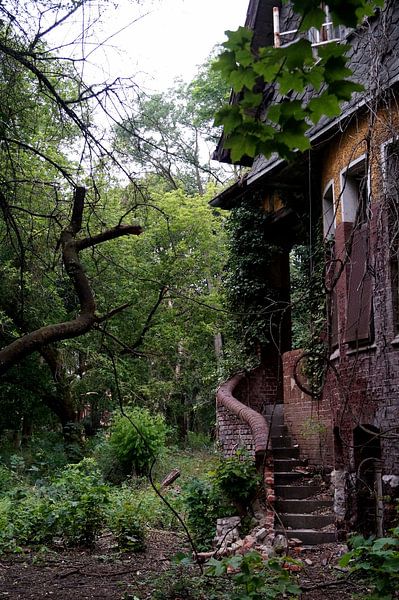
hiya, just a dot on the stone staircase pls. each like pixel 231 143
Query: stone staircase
pixel 304 509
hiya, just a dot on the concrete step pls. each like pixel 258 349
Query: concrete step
pixel 274 416
pixel 274 409
pixel 287 452
pixel 285 464
pixel 302 506
pixel 302 521
pixel 281 441
pixel 287 477
pixel 278 430
pixel 309 537
pixel 295 492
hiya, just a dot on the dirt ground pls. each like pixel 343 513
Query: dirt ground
pixel 104 574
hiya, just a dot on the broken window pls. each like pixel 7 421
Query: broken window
pixel 367 455
pixel 356 210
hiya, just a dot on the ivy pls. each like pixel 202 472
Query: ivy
pixel 292 70
pixel 246 282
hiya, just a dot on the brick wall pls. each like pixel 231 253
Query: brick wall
pixel 232 433
pixel 362 386
pixel 309 421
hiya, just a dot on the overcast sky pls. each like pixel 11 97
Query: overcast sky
pixel 168 42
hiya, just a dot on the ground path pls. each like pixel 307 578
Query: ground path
pixel 102 574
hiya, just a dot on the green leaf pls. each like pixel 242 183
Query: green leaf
pixel 230 117
pixel 298 54
pixel 291 81
pixel 313 18
pixel 238 39
pixel 242 78
pixel 315 77
pixel 268 69
pixel 244 56
pixel 335 68
pixel 323 105
pixel 343 90
pixel 225 63
pixel 294 135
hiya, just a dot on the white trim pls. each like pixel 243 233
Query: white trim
pixel 349 211
pixel 329 229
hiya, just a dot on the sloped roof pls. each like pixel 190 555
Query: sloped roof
pixel 374 60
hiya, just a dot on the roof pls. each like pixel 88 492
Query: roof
pixel 374 60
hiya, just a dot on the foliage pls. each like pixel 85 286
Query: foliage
pixel 167 135
pixel 70 506
pixel 182 581
pixel 204 504
pixel 250 295
pixel 124 522
pixel 376 562
pixel 308 300
pixel 80 498
pixel 291 70
pixel 137 438
pixel 237 478
pixel 255 578
pixel 224 490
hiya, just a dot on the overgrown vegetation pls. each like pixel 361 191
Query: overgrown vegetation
pixel 227 490
pixel 375 562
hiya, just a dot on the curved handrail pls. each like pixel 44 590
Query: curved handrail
pixel 256 422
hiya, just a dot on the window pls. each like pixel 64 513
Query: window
pixel 391 188
pixel 354 192
pixel 356 210
pixel 329 212
pixel 327 32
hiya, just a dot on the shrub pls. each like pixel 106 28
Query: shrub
pixel 237 479
pixel 6 479
pixel 255 578
pixel 125 523
pixel 376 562
pixel 135 446
pixel 204 505
pixel 80 498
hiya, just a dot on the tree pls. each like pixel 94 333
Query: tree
pixel 45 123
pixel 171 134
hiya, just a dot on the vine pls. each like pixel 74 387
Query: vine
pixel 250 295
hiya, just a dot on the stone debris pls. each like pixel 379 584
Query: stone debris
pixel 228 541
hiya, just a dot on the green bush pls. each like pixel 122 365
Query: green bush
pixel 376 562
pixel 237 479
pixel 204 505
pixel 71 507
pixel 80 498
pixel 135 446
pixel 6 479
pixel 255 578
pixel 125 523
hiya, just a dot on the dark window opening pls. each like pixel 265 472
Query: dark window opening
pixel 367 454
pixel 392 198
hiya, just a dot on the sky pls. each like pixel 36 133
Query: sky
pixel 168 39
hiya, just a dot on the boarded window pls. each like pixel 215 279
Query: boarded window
pixel 359 307
pixel 355 209
pixel 392 198
pixel 329 239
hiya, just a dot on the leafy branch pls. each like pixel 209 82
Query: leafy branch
pixel 301 85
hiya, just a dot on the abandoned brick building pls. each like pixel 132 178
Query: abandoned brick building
pixel 349 182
